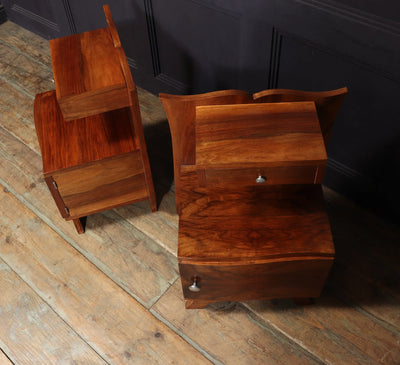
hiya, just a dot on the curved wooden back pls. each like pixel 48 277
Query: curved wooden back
pixel 134 107
pixel 327 103
pixel 181 113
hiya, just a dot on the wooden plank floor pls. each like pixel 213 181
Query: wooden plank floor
pixel 113 295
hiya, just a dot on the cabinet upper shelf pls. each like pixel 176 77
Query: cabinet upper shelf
pixel 88 73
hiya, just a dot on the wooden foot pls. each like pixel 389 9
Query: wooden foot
pixel 153 202
pixel 79 224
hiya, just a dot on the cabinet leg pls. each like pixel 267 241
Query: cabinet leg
pixel 79 224
pixel 153 202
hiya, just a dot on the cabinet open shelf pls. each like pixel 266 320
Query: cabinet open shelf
pixel 89 72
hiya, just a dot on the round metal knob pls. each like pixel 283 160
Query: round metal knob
pixel 261 179
pixel 194 288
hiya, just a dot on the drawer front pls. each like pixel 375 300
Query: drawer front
pixel 242 177
pixel 276 279
pixel 102 185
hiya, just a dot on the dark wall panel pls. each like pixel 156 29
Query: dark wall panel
pixel 191 58
pixel 49 18
pixel 3 15
pixel 366 134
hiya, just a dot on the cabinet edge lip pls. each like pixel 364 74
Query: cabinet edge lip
pixel 266 164
pixel 313 256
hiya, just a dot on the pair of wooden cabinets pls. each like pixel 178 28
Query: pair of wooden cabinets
pixel 90 130
pixel 248 170
pixel 248 173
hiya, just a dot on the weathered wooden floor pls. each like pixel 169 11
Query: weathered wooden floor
pixel 113 294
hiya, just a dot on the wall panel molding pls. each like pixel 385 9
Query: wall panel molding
pixel 320 47
pixel 151 29
pixel 177 85
pixel 344 170
pixel 132 63
pixel 35 17
pixel 274 61
pixel 355 15
pixel 220 9
pixel 69 16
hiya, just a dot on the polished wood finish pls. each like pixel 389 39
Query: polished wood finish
pixel 107 183
pixel 87 72
pixel 252 135
pixel 67 144
pixel 239 239
pixel 254 225
pixel 234 240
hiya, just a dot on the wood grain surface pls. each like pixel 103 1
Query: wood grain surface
pixel 107 184
pixel 87 74
pixel 327 103
pixel 22 333
pixel 253 225
pixel 247 135
pixel 65 145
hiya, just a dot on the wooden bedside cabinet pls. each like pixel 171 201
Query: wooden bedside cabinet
pixel 90 130
pixel 252 223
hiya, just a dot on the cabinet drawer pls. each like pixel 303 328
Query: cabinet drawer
pixel 241 177
pixel 285 278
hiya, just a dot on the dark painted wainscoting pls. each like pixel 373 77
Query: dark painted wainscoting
pixel 193 46
pixel 3 15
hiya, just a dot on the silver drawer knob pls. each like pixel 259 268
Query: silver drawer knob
pixel 194 288
pixel 261 180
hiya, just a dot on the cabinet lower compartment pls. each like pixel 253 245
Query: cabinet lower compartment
pixel 281 278
pixel 99 186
